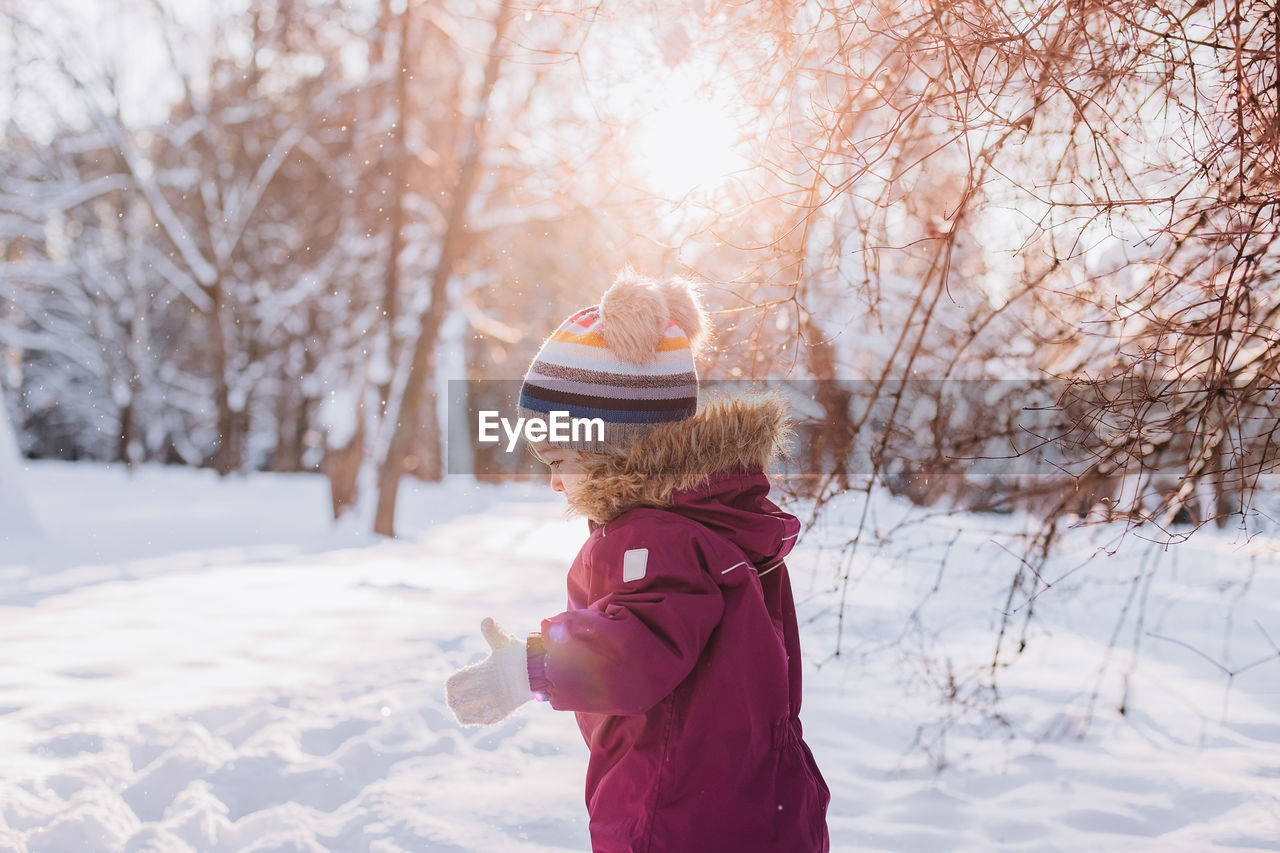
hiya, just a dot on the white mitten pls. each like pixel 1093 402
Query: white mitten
pixel 487 692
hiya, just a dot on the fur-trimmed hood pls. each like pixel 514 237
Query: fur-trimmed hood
pixel 742 435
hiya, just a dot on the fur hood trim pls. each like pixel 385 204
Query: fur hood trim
pixel 741 433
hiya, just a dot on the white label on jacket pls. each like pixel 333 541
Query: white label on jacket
pixel 634 563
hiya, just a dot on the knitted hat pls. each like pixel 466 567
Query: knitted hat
pixel 627 361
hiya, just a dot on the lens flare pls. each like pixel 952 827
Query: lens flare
pixel 686 146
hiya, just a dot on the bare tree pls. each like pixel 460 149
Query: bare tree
pixel 934 153
pixel 413 418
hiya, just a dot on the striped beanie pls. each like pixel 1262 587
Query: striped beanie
pixel 627 361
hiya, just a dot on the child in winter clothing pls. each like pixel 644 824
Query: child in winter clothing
pixel 679 650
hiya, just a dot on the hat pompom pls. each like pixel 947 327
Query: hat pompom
pixel 684 307
pixel 634 316
pixel 635 312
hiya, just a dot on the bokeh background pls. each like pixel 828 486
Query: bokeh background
pixel 265 235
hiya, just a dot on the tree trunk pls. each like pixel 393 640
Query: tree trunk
pixel 342 467
pixel 833 443
pixel 224 458
pixel 127 429
pixel 411 411
pixel 399 156
pixel 290 426
pixel 15 513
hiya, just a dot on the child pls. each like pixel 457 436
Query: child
pixel 679 651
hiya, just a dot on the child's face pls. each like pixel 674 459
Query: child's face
pixel 566 470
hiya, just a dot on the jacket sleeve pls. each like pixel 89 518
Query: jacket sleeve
pixel 654 607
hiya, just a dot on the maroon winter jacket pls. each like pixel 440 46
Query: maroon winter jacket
pixel 680 654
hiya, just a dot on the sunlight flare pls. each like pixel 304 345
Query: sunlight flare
pixel 686 145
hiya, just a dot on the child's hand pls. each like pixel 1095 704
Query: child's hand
pixel 487 692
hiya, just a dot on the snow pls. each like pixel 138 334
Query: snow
pixel 203 664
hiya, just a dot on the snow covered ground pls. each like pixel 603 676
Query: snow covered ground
pixel 194 664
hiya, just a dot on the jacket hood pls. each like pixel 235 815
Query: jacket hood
pixel 737 507
pixel 711 467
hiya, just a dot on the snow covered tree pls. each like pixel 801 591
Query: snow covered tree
pixel 77 293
